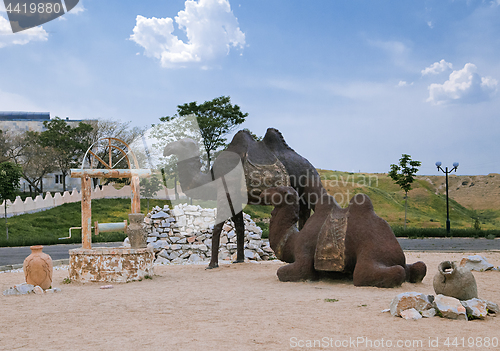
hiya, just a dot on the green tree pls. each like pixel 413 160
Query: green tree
pixel 215 119
pixel 149 187
pixel 403 174
pixel 69 143
pixel 10 174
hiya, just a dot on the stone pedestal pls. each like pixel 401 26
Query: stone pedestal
pixel 108 264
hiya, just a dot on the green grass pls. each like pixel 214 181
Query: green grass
pixel 426 209
pixel 46 227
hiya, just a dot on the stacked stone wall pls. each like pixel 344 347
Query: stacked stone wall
pixel 183 234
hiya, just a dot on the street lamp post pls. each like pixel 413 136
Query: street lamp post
pixel 445 171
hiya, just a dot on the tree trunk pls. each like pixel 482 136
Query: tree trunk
pixel 406 206
pixel 6 227
pixel 64 181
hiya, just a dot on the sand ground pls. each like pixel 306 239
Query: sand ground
pixel 236 307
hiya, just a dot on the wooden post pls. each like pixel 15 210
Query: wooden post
pixel 86 213
pixel 136 200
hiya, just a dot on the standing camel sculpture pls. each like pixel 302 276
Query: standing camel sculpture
pixel 353 241
pixel 266 163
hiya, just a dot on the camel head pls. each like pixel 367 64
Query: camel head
pixel 280 196
pixel 183 149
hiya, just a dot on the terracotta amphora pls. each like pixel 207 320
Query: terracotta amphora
pixel 455 281
pixel 37 268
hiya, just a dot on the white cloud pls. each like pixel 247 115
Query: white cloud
pixel 78 8
pixel 403 83
pixel 430 24
pixel 464 85
pixel 20 38
pixel 437 67
pixel 210 26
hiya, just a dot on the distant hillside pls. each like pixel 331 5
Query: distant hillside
pixel 470 197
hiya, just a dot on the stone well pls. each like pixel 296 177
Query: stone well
pixel 110 264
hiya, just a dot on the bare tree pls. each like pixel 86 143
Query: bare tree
pixel 35 160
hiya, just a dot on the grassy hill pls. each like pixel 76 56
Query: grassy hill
pixel 470 197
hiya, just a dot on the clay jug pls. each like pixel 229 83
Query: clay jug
pixel 37 268
pixel 137 234
pixel 455 281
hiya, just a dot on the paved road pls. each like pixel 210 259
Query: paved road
pixel 16 255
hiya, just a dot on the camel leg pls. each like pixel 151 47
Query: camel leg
pixel 214 260
pixel 371 273
pixel 304 214
pixel 297 271
pixel 302 267
pixel 415 272
pixel 239 227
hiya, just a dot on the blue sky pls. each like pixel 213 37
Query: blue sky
pixel 351 84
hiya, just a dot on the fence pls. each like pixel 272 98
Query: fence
pixel 29 205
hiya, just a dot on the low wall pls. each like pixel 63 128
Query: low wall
pixel 184 235
pixel 29 205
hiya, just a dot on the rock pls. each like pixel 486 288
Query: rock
pixel 162 260
pixel 232 246
pixel 450 307
pixel 476 308
pixel 409 300
pixel 202 247
pixel 177 260
pixel 254 236
pixel 173 255
pixel 160 215
pixel 190 208
pixel 24 288
pixel 492 307
pixel 431 312
pixel 250 254
pixel 38 290
pixel 52 290
pixel 476 263
pixel 174 239
pixel 176 212
pixel 20 289
pixel 163 253
pixel 194 258
pixel 231 234
pixel 411 314
pixel 227 228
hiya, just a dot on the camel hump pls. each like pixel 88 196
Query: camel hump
pixel 361 203
pixel 274 140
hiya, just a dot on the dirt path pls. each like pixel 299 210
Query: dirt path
pixel 236 307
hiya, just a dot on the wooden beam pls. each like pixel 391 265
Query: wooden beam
pixel 86 213
pixel 110 173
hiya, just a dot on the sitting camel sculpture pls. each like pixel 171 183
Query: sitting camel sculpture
pixel 266 163
pixel 353 241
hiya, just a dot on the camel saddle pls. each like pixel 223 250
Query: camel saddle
pixel 330 248
pixel 262 176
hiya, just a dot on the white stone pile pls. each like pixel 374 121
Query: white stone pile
pixel 184 235
pixel 415 305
